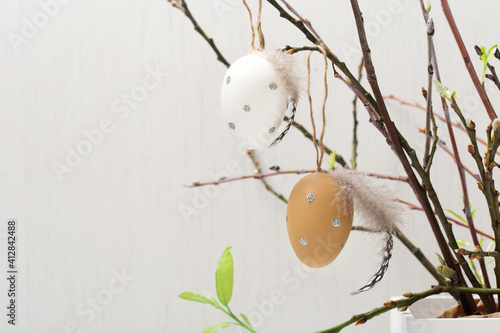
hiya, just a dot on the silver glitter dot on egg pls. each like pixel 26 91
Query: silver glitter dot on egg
pixel 303 241
pixel 231 126
pixel 273 86
pixel 342 247
pixel 272 129
pixel 287 218
pixel 228 79
pixel 310 198
pixel 336 222
pixel 246 108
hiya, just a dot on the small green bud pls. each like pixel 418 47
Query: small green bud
pixel 446 272
pixel 495 124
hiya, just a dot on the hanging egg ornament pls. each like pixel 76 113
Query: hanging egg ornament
pixel 319 219
pixel 257 90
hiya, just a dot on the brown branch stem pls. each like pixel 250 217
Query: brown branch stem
pixel 493 76
pixel 404 303
pixel 428 111
pixel 468 63
pixel 487 184
pixel 488 301
pixel 396 142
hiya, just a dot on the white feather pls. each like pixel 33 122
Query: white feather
pixel 286 68
pixel 373 202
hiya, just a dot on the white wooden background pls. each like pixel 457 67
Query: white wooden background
pixel 119 210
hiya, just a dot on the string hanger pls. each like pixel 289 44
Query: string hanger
pixel 321 151
pixel 257 28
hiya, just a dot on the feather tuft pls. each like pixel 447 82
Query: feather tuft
pixel 285 66
pixel 372 202
pixel 373 206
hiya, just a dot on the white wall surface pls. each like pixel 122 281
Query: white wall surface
pixel 118 210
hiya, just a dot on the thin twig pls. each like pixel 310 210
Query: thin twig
pixel 354 154
pixel 493 76
pixel 430 74
pixel 260 175
pixel 443 146
pixel 460 223
pixel 268 187
pixel 308 26
pixel 302 24
pixel 435 140
pixel 478 254
pixel 468 63
pixel 338 158
pixel 418 106
pixel 182 5
pixel 420 256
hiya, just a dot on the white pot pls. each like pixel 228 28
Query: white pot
pixel 421 318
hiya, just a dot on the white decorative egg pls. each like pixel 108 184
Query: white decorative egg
pixel 255 97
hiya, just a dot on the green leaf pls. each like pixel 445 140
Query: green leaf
pixel 490 246
pixel 478 274
pixel 215 328
pixel 445 92
pixel 347 79
pixel 456 215
pixel 485 58
pixel 462 242
pixel 473 215
pixel 441 260
pixel 491 53
pixel 245 319
pixel 224 277
pixel 442 90
pixel 331 159
pixel 428 7
pixel 190 296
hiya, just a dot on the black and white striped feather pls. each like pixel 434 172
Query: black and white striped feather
pixel 377 277
pixel 287 128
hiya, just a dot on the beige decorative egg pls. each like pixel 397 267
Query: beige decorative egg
pixel 319 219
